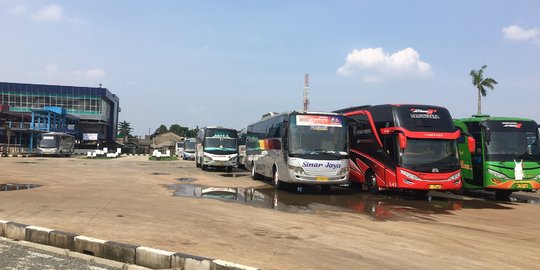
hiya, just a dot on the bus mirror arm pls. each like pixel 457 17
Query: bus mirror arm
pixel 402 141
pixel 471 143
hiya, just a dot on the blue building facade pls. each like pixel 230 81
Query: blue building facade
pixel 96 108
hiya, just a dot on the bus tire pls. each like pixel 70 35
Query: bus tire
pixel 254 174
pixel 275 179
pixel 371 183
pixel 204 167
pixel 502 194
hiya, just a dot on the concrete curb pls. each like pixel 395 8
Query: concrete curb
pixel 134 257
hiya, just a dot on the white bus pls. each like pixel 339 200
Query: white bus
pixel 56 143
pixel 299 148
pixel 189 149
pixel 216 147
pixel 179 149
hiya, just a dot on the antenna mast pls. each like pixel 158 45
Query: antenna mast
pixel 306 92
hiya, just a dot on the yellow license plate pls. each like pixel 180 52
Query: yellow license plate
pixel 322 178
pixel 435 186
pixel 522 185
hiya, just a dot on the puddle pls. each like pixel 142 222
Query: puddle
pixel 11 187
pixel 390 206
pixel 160 173
pixel 233 174
pixel 26 162
pixel 185 180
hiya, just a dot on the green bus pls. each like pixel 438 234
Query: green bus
pixel 506 156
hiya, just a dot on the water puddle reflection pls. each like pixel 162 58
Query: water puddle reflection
pixel 310 200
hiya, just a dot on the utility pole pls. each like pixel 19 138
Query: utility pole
pixel 306 92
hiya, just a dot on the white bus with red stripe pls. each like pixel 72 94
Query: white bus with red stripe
pixel 409 147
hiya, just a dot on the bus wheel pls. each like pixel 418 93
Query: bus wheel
pixel 229 169
pixel 371 182
pixel 275 180
pixel 254 174
pixel 204 167
pixel 502 194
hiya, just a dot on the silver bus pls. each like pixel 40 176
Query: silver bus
pixel 56 143
pixel 299 148
pixel 216 147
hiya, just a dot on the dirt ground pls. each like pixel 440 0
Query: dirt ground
pixel 131 200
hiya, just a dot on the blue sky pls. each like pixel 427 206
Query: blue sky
pixel 199 63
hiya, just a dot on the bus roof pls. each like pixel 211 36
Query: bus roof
pixel 482 118
pixel 363 107
pixel 274 115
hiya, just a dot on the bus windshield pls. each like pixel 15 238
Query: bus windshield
pixel 189 145
pixel 318 135
pixel 424 155
pixel 48 142
pixel 510 145
pixel 220 144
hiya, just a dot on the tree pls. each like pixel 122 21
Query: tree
pixel 192 133
pixel 124 129
pixel 179 130
pixel 161 129
pixel 481 84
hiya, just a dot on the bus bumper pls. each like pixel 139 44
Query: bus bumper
pixel 514 185
pixel 428 181
pixel 318 180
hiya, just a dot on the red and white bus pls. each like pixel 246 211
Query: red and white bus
pixel 409 147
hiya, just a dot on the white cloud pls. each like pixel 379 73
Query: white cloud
pixel 53 13
pixel 18 10
pixel 374 65
pixel 515 32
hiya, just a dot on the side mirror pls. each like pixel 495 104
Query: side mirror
pixel 402 141
pixel 471 142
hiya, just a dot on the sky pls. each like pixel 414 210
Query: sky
pixel 202 63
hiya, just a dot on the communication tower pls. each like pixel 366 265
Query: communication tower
pixel 306 92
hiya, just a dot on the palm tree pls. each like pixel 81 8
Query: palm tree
pixel 481 84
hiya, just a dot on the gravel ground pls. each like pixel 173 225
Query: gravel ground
pixel 17 257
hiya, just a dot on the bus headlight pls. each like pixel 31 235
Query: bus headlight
pixel 498 174
pixel 455 176
pixel 296 170
pixel 207 158
pixel 233 158
pixel 409 175
pixel 343 171
pixel 537 177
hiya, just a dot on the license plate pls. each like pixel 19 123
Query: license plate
pixel 219 163
pixel 435 186
pixel 322 178
pixel 522 185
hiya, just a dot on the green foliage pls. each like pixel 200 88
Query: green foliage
pixel 163 158
pixel 161 129
pixel 179 130
pixel 124 129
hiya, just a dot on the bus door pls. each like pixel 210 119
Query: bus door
pixel 477 160
pixel 389 160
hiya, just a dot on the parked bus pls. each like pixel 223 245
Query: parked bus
pixel 299 148
pixel 56 143
pixel 410 147
pixel 242 148
pixel 179 149
pixel 216 147
pixel 189 149
pixel 506 155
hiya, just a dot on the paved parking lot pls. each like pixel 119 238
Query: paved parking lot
pixel 177 207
